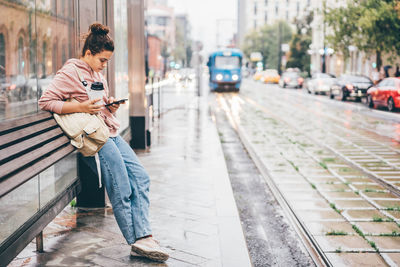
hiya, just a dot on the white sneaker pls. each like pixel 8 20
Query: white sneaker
pixel 149 248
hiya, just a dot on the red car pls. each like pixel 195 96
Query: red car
pixel 385 94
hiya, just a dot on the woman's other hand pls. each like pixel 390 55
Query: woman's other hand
pixel 87 106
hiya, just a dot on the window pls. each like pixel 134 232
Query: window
pixel 225 62
pixel 63 54
pixel 266 2
pixel 266 17
pixel 390 83
pixel 255 24
pixel 298 8
pixel 54 56
pixel 44 49
pixel 2 56
pixel 21 63
pixel 276 8
pixel 32 57
pixel 162 21
pixel 255 8
pixel 287 14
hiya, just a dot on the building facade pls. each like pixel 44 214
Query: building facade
pixel 253 14
pixel 160 20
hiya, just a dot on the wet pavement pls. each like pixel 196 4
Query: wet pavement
pixel 337 164
pixel 193 212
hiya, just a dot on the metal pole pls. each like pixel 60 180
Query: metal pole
pixel 39 242
pixel 159 97
pixel 152 98
pixel 279 47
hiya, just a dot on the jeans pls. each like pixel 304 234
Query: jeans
pixel 127 185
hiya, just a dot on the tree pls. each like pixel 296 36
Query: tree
pixel 370 25
pixel 179 52
pixel 300 43
pixel 266 41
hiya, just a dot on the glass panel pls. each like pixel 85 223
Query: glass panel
pixel 17 59
pixel 17 207
pixel 226 62
pixel 57 178
pixel 36 37
pixel 120 56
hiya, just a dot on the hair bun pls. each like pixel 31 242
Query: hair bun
pixel 97 28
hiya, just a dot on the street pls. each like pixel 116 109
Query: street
pixel 333 166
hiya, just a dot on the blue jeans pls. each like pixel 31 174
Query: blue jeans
pixel 127 185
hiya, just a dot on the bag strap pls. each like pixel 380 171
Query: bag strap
pixel 84 83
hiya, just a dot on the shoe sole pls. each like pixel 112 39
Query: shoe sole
pixel 153 255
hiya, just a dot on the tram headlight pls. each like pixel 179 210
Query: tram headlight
pixel 219 77
pixel 235 77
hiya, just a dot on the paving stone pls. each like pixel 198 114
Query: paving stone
pixel 343 243
pixel 298 195
pixel 388 203
pixel 341 195
pixel 376 228
pixel 324 227
pixel 379 194
pixel 324 180
pixel 346 204
pixel 333 187
pixel 358 180
pixel 319 215
pixel 368 187
pixel 390 243
pixel 357 215
pixel 394 213
pixel 315 204
pixel 393 258
pixel 356 259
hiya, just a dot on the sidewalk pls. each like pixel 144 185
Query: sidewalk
pixel 193 212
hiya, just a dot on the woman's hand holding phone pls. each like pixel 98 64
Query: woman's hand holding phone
pixel 113 104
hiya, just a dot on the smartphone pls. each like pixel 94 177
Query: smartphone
pixel 116 102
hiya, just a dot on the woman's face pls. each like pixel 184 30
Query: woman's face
pixel 99 61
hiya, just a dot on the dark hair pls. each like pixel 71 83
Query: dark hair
pixel 97 39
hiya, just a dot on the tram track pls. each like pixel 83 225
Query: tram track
pixel 314 250
pixel 310 133
pixel 369 158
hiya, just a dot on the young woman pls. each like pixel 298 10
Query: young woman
pixel 125 179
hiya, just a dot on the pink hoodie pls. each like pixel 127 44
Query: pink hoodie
pixel 66 85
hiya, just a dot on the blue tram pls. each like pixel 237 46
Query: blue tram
pixel 225 69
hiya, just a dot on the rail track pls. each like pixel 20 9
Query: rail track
pixel 361 149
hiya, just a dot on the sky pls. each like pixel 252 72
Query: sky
pixel 206 16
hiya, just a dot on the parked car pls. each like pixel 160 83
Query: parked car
pixel 257 76
pixel 271 76
pixel 350 86
pixel 320 83
pixel 291 79
pixel 385 94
